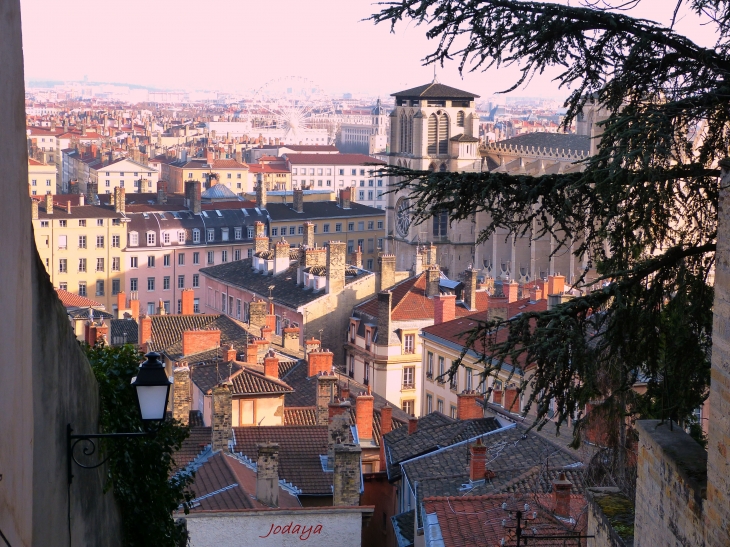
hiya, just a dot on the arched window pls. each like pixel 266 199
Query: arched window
pixel 432 167
pixel 402 146
pixel 443 134
pixel 409 144
pixel 432 135
pixel 443 168
pixel 460 118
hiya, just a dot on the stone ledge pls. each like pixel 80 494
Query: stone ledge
pixel 680 450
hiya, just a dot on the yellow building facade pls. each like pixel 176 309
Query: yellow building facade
pixel 41 178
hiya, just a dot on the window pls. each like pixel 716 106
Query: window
pixel 82 242
pixel 380 196
pixel 360 226
pixel 116 263
pixel 224 234
pixel 99 221
pixel 370 225
pixel 211 234
pixel 133 239
pixel 429 403
pixel 210 257
pixel 440 223
pixel 82 264
pixel 150 283
pixel 82 288
pixel 350 246
pixel 99 242
pixel 361 195
pixel 151 261
pixel 223 303
pixel 237 254
pixel 325 228
pixel 166 238
pixel 150 308
pixel 44 224
pixel 249 253
pixel 82 223
pixel 408 375
pixel 468 378
pixel 196 235
pixel 224 256
pixel 196 281
pixel 366 374
pixel 166 283
pixel 453 412
pixel 371 245
pixel 338 227
pixel 132 261
pixel 360 244
pixel 62 223
pixel 196 258
pixel 407 406
pixel 409 343
pixel 179 306
pixel 380 243
pixel 116 286
pixel 115 241
pixel 62 265
pixel 441 370
pixel 341 172
pixel 150 238
pixel 454 381
pixel 61 242
pixel 429 365
pixel 166 260
pixel 181 259
pixel 249 232
pixel 181 237
pixel 275 231
pixel 300 230
pixel 246 413
pixel 33 182
pixel 99 264
pixel 133 284
pixel 100 288
pixel 292 230
pixel 238 233
pixel 228 175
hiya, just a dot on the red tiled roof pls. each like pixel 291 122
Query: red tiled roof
pixel 70 300
pixel 268 168
pixel 228 164
pixel 477 520
pixel 31 161
pixel 331 159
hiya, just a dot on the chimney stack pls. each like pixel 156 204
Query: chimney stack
pixel 290 338
pixel 260 241
pixel 121 304
pixel 281 256
pixel 181 393
pixel 387 271
pixel 326 384
pixel 364 416
pixel 145 332
pixel 257 313
pixel 298 202
pixel 431 254
pixel 338 428
pixel 335 267
pixel 308 239
pixel 134 307
pixel 467 407
pixel 231 354
pixel 221 416
pixel 357 258
pixel 512 399
pixel 477 461
pixel 386 426
pixel 120 201
pixel 347 476
pixel 161 192
pixel 535 293
pixel 513 290
pixel 261 198
pixel 556 284
pixel 319 361
pixel 195 341
pixel 194 199
pixel 34 209
pixel 188 302
pixel 470 289
pixel 345 198
pixel 271 365
pixel 412 425
pixel 385 303
pixel 561 496
pixel 444 308
pixel 49 204
pixel 267 474
pixel 418 264
pixel 432 281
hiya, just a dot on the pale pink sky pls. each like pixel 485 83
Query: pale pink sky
pixel 234 45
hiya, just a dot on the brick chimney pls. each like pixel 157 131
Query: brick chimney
pixel 512 399
pixel 281 256
pixel 181 397
pixel 477 461
pixel 387 271
pixel 120 200
pixel 385 302
pixel 192 193
pixel 512 291
pixel 252 354
pixel 412 425
pixel 347 476
pixel 556 284
pixel 470 289
pixel 432 281
pixel 535 293
pixel 221 416
pixel 386 426
pixel 49 204
pixel 260 241
pixel 298 202
pixel 467 407
pixel 145 332
pixel 326 386
pixel 356 259
pixel 345 198
pixel 209 156
pixel 290 338
pixel 261 197
pixel 195 341
pixel 498 304
pixel 311 345
pixel 561 496
pixel 364 416
pixel 444 308
pixel 134 306
pixel 230 354
pixel 271 365
pixel 336 267
pixel 319 360
pixel 257 313
pixel 188 302
pixel 33 209
pixel 308 237
pixel 267 474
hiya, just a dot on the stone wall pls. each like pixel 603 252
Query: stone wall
pixel 670 487
pixel 610 518
pixel 45 380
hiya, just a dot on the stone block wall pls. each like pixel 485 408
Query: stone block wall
pixel 670 487
pixel 221 417
pixel 347 476
pixel 610 518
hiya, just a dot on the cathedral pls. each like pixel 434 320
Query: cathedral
pixel 435 127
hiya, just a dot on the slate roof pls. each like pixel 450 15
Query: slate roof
pixel 435 90
pixel 83 313
pixel 218 191
pixel 286 291
pixel 431 436
pixel 477 520
pixel 249 381
pixel 193 446
pixel 300 448
pixel 320 210
pixel 121 327
pixel 208 375
pixel 404 526
pixel 71 300
pixel 331 159
pixel 556 141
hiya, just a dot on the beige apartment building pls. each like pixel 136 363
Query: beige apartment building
pixel 81 246
pixel 41 178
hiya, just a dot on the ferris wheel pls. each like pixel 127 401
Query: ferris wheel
pixel 294 105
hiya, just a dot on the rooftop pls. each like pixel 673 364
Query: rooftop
pixel 435 90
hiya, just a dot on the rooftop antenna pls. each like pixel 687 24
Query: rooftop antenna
pixel 320 335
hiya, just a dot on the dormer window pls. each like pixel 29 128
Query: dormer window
pixel 151 238
pixel 166 238
pixel 211 234
pixel 181 237
pixel 238 232
pixel 196 235
pixel 133 239
pixel 224 234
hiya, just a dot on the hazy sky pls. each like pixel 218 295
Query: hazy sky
pixel 242 44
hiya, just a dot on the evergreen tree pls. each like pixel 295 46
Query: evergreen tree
pixel 644 209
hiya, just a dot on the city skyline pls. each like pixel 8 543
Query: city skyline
pixel 239 47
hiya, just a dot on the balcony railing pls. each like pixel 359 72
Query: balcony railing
pixel 408 386
pixel 429 375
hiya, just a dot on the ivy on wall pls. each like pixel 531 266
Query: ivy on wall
pixel 140 469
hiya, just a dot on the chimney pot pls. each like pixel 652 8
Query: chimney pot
pixel 271 365
pixel 412 425
pixel 467 407
pixel 364 416
pixel 561 496
pixel 477 461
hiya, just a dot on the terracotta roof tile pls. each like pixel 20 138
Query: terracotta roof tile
pixel 70 300
pixel 197 442
pixel 331 159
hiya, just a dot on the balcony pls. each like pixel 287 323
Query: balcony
pixel 408 387
pixel 429 375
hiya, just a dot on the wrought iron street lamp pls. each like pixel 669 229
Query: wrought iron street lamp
pixel 153 390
